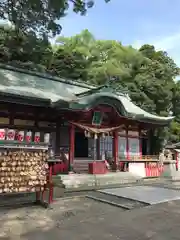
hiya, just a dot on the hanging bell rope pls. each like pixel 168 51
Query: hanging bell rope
pixel 96 130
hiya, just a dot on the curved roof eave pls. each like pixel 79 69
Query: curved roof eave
pixel 123 105
pixel 133 109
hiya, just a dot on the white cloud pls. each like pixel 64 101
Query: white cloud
pixel 138 43
pixel 168 43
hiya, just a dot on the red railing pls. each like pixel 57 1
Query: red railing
pixel 153 169
pixel 59 167
pixel 79 166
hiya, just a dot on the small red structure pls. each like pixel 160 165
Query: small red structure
pixel 98 167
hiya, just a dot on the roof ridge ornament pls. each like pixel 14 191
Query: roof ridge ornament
pixel 117 89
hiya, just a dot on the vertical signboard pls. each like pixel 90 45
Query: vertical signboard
pixel 97 118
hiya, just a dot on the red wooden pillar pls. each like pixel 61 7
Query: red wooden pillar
pixel 177 160
pixel 71 146
pixel 140 144
pixel 98 148
pixel 115 149
pixel 50 200
pixel 127 144
pixel 126 165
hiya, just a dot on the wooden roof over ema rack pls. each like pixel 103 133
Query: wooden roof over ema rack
pixel 37 89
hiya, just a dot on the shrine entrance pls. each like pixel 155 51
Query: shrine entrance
pixel 144 147
pixel 81 145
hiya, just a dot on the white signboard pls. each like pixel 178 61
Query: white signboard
pixel 137 169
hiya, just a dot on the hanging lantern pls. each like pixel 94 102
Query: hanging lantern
pixel 2 134
pixel 89 134
pixel 11 134
pixel 20 136
pixel 37 137
pixel 47 138
pixel 95 136
pixel 28 136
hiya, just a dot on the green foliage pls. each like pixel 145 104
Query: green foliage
pixel 148 75
pixel 40 16
pixel 24 50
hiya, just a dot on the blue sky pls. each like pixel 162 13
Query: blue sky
pixel 132 22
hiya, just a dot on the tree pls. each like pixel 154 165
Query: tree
pixel 175 125
pixel 159 74
pixel 71 56
pixel 163 90
pixel 40 16
pixel 105 59
pixel 70 65
pixel 146 74
pixel 15 50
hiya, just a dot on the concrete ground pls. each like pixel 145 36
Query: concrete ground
pixel 84 219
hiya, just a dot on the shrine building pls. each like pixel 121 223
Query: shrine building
pixel 83 123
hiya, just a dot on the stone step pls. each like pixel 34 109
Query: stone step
pixel 117 201
pixel 93 181
pixel 81 166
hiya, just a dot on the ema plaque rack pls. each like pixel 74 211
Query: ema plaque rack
pixel 23 170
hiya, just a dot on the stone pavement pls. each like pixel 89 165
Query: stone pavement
pixel 146 194
pixel 84 219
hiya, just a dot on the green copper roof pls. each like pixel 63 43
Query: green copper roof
pixel 18 82
pixel 121 102
pixel 137 112
pixel 60 93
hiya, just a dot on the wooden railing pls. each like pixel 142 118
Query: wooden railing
pixel 143 157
